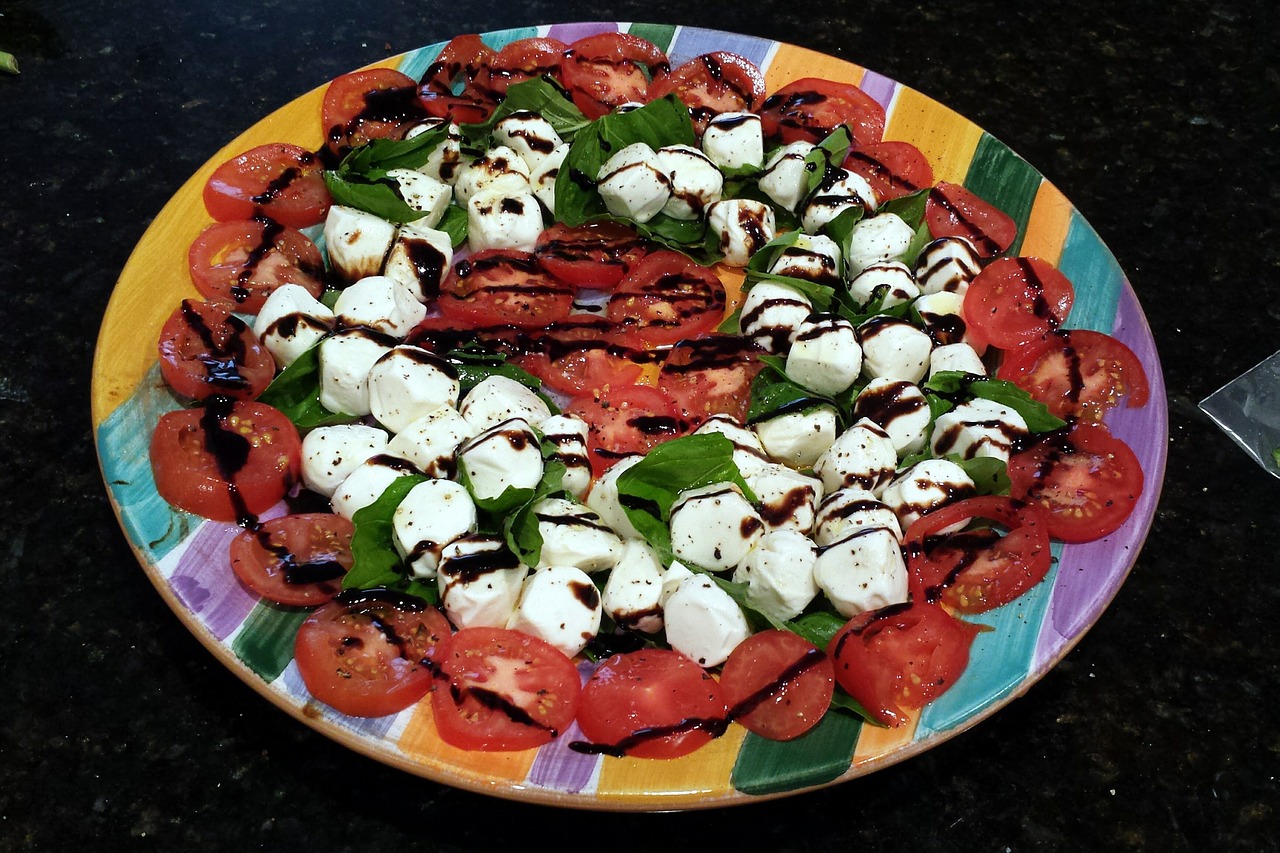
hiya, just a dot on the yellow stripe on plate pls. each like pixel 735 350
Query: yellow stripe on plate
pixel 792 63
pixel 1048 225
pixel 692 777
pixel 946 138
pixel 420 742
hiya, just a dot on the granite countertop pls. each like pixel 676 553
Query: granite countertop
pixel 1157 120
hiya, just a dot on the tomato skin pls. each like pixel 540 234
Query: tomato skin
pixel 711 376
pixel 228 461
pixel 900 658
pixel 206 350
pixel 1087 480
pixel 1078 374
pixel 464 59
pixel 578 363
pixel 652 703
pixel 242 261
pixel 503 690
pixel 953 211
pixel 976 576
pixel 373 103
pixel 370 653
pixel 525 59
pixel 280 181
pixel 893 169
pixel 296 560
pixel 607 70
pixel 777 684
pixel 503 287
pixel 623 420
pixel 711 84
pixel 666 298
pixel 595 255
pixel 1014 301
pixel 810 108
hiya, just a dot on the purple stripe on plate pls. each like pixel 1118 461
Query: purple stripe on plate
pixel 559 768
pixel 879 87
pixel 569 33
pixel 691 43
pixel 204 583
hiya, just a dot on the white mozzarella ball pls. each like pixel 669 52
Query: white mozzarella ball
pixel 675 574
pixel 696 183
pixel 633 183
pixel 479 580
pixel 785 178
pixel 890 278
pixel 420 259
pixel 357 242
pixel 567 434
pixel 840 190
pixel 900 408
pixel 504 456
pixel 799 439
pixel 345 360
pixel 825 355
pixel 559 604
pixel 703 622
pixel 748 452
pixel 574 535
pixel 409 383
pixel 500 398
pixel 500 171
pixel 894 349
pixel 947 264
pixel 431 441
pixel 862 571
pixel 772 314
pixel 529 135
pixel 367 481
pixel 846 511
pixel 291 322
pixel 734 140
pixel 714 526
pixel 603 498
pixel 813 257
pixel 779 574
pixel 742 225
pixel 380 303
pixel 423 193
pixel 926 486
pixel 432 515
pixel 331 453
pixel 959 357
pixel 786 499
pixel 862 456
pixel 979 427
pixel 941 316
pixel 877 239
pixel 447 159
pixel 543 178
pixel 632 596
pixel 503 219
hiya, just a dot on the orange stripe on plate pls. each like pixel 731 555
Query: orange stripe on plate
pixel 877 742
pixel 792 63
pixel 1048 225
pixel 694 776
pixel 945 137
pixel 420 742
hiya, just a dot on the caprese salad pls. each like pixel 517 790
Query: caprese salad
pixel 559 353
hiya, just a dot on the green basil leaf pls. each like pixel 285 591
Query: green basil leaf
pixel 843 702
pixel 540 95
pixel 818 627
pixel 386 154
pixel 829 153
pixel 841 227
pixel 454 223
pixel 990 476
pixel 773 394
pixel 376 561
pixel 909 208
pixel 821 296
pixel 296 393
pixel 379 197
pixel 499 505
pixel 962 386
pixel 521 527
pixel 922 238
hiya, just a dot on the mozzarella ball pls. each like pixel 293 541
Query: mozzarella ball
pixel 894 349
pixel 408 383
pixel 925 486
pixel 703 622
pixel 432 515
pixel 357 242
pixel 772 314
pixel 798 439
pixel 947 264
pixel 529 135
pixel 291 322
pixel 543 178
pixel 840 190
pixel 447 159
pixel 331 453
pixel 632 596
pixel 734 141
pixel 574 535
pixel 505 456
pixel 850 510
pixel 958 357
pixel 500 398
pixel 559 604
pixel 748 452
pixel 941 316
pixel 743 225
pixel 813 257
pixel 431 441
pixel 567 434
pixel 862 571
pixel 785 498
pixel 420 259
pixel 367 481
pixel 696 183
pixel 479 580
pixel 380 303
pixel 424 193
pixel 785 178
pixel 900 408
pixel 888 279
pixel 603 498
pixel 978 428
pixel 345 360
pixel 634 184
pixel 779 574
pixel 714 526
pixel 825 355
pixel 877 239
pixel 499 218
pixel 862 456
pixel 500 170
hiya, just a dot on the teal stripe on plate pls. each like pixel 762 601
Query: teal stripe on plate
pixel 1096 275
pixel 1001 177
pixel 660 34
pixel 265 641
pixel 815 758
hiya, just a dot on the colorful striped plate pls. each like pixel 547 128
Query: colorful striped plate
pixel 186 557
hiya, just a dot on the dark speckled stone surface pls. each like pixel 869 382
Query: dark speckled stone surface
pixel 1159 120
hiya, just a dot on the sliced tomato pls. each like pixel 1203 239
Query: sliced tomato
pixel 525 59
pixel 243 262
pixel 578 362
pixel 228 461
pixel 624 420
pixel 205 350
pixel 462 61
pixel 503 690
pixel 1014 301
pixel 711 84
pixel 609 69
pixel 893 169
pixel 370 653
pixel 279 181
pixel 975 574
pixel 652 703
pixel 503 287
pixel 1087 479
pixel 298 560
pixel 374 103
pixel 593 256
pixel 711 376
pixel 900 658
pixel 1078 373
pixel 810 108
pixel 777 684
pixel 953 211
pixel 667 298
pixel 459 109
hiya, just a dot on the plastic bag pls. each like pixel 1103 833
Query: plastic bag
pixel 1248 409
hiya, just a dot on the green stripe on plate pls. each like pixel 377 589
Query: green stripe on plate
pixel 659 34
pixel 1006 180
pixel 265 641
pixel 815 758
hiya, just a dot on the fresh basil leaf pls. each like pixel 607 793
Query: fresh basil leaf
pixel 990 475
pixel 843 702
pixel 922 238
pixel 379 197
pixel 385 154
pixel 540 95
pixel 732 324
pixel 520 528
pixel 818 627
pixel 820 296
pixel 296 393
pixel 909 208
pixel 454 223
pixel 758 619
pixel 840 229
pixel 767 255
pixel 961 386
pixel 773 394
pixel 376 561
pixel 499 505
pixel 827 154
pixel 474 363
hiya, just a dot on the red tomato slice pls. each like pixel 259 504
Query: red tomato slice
pixel 228 461
pixel 609 69
pixel 810 108
pixel 525 59
pixel 953 211
pixel 279 181
pixel 375 103
pixel 711 376
pixel 244 261
pixel 503 287
pixel 370 653
pixel 975 574
pixel 1087 479
pixel 298 560
pixel 711 84
pixel 206 350
pixel 573 362
pixel 1017 300
pixel 464 59
pixel 503 690
pixel 900 658
pixel 624 420
pixel 594 256
pixel 653 703
pixel 777 684
pixel 893 169
pixel 667 298
pixel 1078 373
